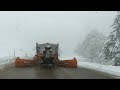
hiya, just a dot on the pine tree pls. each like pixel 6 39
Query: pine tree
pixel 111 49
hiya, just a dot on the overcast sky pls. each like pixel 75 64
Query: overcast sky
pixel 22 29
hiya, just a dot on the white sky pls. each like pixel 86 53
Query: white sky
pixel 22 29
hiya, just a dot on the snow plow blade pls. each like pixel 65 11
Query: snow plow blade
pixel 68 63
pixel 24 62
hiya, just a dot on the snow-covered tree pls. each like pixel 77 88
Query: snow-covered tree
pixel 111 49
pixel 91 47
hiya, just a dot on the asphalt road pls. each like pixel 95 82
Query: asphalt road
pixel 46 72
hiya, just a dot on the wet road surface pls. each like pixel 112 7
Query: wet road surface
pixel 46 72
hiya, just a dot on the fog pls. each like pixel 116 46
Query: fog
pixel 21 30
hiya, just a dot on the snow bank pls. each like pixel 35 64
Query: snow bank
pixel 113 70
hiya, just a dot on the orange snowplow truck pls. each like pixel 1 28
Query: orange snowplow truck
pixel 46 53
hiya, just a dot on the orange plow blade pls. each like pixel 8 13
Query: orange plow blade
pixel 24 62
pixel 68 63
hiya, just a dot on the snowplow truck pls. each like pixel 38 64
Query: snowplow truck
pixel 46 53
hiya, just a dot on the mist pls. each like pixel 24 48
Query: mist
pixel 21 30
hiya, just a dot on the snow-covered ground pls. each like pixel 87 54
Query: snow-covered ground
pixel 7 60
pixel 113 70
